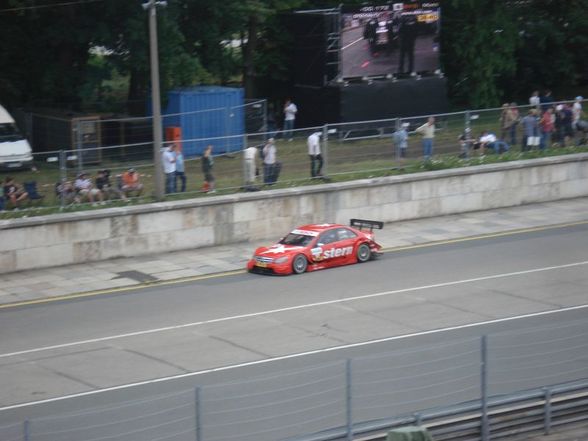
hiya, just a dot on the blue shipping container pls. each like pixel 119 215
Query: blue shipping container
pixel 207 115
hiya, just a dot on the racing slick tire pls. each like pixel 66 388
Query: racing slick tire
pixel 364 253
pixel 299 264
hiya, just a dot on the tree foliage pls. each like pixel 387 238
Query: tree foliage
pixel 68 54
pixel 500 50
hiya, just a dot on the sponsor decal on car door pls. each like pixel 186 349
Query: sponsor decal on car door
pixel 330 250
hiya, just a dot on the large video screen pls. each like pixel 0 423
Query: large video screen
pixel 400 38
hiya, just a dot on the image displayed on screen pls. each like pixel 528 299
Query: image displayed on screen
pixel 395 38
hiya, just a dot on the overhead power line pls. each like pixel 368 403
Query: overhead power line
pixel 55 5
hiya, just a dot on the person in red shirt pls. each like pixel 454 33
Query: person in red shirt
pixel 130 183
pixel 547 124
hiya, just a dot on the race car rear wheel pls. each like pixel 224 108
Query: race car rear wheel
pixel 364 253
pixel 299 264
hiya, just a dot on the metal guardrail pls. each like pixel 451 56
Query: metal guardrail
pixel 537 411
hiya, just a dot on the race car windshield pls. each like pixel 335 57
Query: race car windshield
pixel 300 240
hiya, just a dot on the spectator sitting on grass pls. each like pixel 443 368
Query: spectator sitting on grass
pixel 466 143
pixel 103 184
pixel 130 183
pixel 86 189
pixel 66 193
pixel 13 192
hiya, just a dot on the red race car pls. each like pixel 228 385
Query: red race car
pixel 318 246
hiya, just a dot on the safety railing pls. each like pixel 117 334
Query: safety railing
pixel 459 389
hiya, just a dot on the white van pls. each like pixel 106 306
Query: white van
pixel 15 151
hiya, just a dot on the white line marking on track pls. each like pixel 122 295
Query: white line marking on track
pixel 290 356
pixel 291 308
pixel 351 44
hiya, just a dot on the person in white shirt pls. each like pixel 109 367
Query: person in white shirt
pixel 427 130
pixel 269 161
pixel 314 152
pixel 487 140
pixel 250 164
pixel 168 159
pixel 535 99
pixel 86 189
pixel 290 111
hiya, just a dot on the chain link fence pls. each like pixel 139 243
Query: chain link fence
pixel 347 151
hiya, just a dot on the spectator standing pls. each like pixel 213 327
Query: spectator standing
pixel 13 192
pixel 516 118
pixel 530 131
pixel 314 152
pixel 86 189
pixel 168 159
pixel 535 100
pixel 400 139
pixel 567 119
pixel 180 169
pixel 427 130
pixel 207 165
pixel 547 125
pixel 269 161
pixel 506 121
pixel 546 100
pixel 290 111
pixel 250 167
pixel 131 183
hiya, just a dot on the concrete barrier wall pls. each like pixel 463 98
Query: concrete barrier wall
pixel 64 239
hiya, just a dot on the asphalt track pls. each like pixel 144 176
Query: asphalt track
pixel 180 335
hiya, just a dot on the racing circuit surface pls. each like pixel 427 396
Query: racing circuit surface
pixel 78 346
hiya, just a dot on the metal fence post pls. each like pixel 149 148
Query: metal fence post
pixel 26 430
pixel 227 128
pixel 397 124
pixel 348 400
pixel 243 166
pixel 79 144
pixel 547 411
pixel 325 150
pixel 197 405
pixel 467 133
pixel 62 176
pixel 484 387
pixel 264 126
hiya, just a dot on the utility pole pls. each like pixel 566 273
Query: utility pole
pixel 151 8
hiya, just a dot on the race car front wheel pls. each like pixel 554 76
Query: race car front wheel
pixel 299 264
pixel 363 253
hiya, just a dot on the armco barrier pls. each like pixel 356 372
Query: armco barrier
pixel 80 237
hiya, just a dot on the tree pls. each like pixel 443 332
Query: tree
pixel 479 42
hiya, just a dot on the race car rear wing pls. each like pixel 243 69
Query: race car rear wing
pixel 363 223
